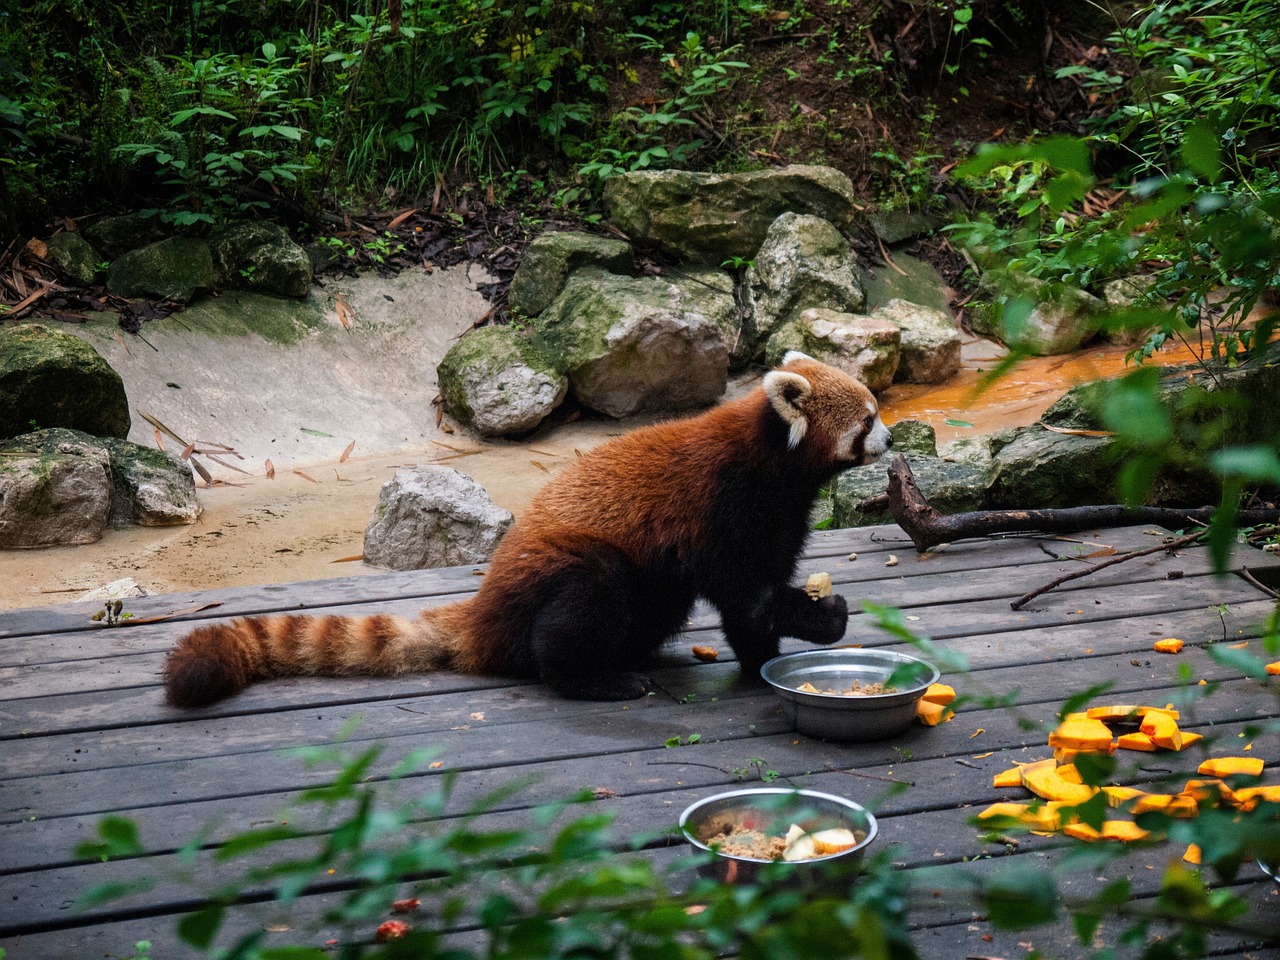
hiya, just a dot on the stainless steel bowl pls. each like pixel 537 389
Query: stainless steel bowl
pixel 831 716
pixel 772 811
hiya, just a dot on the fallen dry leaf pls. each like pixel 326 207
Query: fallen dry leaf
pixel 478 715
pixel 401 218
pixel 305 477
pixel 345 314
pixel 347 452
pixel 1077 433
pixel 271 470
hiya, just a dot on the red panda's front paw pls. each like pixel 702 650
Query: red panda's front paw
pixel 830 618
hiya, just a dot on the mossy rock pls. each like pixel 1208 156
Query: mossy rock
pixel 53 379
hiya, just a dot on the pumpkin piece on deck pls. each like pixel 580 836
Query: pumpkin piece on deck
pixel 1202 790
pixel 1249 797
pixel 1069 773
pixel 1192 855
pixel 1168 645
pixel 1082 734
pixel 1163 730
pixel 1126 713
pixel 932 714
pixel 1008 778
pixel 1227 766
pixel 1119 796
pixel 1172 805
pixel 1124 831
pixel 1189 738
pixel 940 693
pixel 1046 783
pixel 1273 668
pixel 1136 741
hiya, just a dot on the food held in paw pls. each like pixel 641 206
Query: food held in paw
pixel 818 586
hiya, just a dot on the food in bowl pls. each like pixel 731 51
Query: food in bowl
pixel 734 839
pixel 760 828
pixel 859 689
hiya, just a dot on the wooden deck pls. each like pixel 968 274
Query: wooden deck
pixel 84 730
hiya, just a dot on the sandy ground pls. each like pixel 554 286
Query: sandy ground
pixel 300 406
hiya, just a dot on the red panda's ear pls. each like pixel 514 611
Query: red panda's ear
pixel 788 393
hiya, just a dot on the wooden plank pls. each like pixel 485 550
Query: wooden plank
pixel 118 658
pixel 445 700
pixel 613 744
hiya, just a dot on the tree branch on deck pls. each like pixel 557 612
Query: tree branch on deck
pixel 928 528
pixel 1168 546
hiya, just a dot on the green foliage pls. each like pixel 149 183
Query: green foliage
pixel 1201 206
pixel 667 134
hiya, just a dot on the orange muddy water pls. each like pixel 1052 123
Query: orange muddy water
pixel 309 525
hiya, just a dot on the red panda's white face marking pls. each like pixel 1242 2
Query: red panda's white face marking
pixel 838 415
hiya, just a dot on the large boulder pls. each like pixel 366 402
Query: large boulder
pixel 143 486
pixel 433 517
pixel 150 488
pixel 548 261
pixel 260 256
pixel 930 351
pixel 910 279
pixel 710 218
pixel 53 379
pixel 1042 469
pixel 501 381
pixel 864 347
pixel 113 236
pixel 176 268
pixel 55 494
pixel 803 263
pixel 74 256
pixel 1040 318
pixel 636 344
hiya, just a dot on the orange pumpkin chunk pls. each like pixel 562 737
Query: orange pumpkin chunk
pixel 1168 645
pixel 1136 741
pixel 1126 713
pixel 931 714
pixel 1227 766
pixel 1083 734
pixel 1047 783
pixel 940 693
pixel 1163 730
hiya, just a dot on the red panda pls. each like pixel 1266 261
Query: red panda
pixel 608 560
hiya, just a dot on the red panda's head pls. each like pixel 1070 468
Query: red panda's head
pixel 834 416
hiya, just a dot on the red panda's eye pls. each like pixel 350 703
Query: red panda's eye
pixel 868 420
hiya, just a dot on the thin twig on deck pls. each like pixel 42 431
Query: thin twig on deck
pixel 1119 558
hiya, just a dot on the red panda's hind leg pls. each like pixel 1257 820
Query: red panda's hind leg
pixel 600 623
